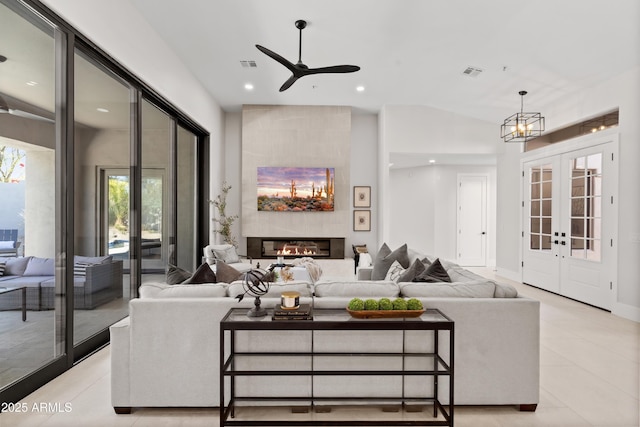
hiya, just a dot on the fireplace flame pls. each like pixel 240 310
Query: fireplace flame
pixel 295 250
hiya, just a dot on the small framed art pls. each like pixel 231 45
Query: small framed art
pixel 361 220
pixel 362 197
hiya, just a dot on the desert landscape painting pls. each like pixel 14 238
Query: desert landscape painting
pixel 296 189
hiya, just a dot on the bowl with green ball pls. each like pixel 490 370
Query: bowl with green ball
pixel 384 308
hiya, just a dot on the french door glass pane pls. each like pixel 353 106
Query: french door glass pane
pixel 540 210
pixel 586 209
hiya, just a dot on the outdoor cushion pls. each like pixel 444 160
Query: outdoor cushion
pixel 40 267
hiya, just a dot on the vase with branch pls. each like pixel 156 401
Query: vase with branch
pixel 222 220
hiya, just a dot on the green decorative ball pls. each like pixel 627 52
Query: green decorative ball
pixel 399 304
pixel 356 304
pixel 371 304
pixel 414 304
pixel 385 304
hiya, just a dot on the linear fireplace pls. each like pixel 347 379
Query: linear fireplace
pixel 272 247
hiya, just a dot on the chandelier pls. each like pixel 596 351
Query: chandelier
pixel 521 127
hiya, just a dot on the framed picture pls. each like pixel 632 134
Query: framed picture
pixel 361 220
pixel 361 197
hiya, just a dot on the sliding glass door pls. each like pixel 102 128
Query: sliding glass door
pixel 28 178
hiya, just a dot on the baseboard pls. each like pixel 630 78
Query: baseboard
pixel 627 311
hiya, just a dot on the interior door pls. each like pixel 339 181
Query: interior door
pixel 472 220
pixel 570 223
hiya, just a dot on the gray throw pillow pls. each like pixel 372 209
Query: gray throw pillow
pixel 176 275
pixel 384 259
pixel 435 273
pixel 414 270
pixel 227 274
pixel 203 274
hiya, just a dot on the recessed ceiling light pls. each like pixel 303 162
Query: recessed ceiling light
pixel 102 110
pixel 360 88
pixel 248 86
pixel 432 161
pixel 31 83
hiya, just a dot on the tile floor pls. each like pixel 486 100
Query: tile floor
pixel 589 378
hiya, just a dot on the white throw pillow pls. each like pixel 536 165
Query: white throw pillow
pixel 228 255
pixel 394 272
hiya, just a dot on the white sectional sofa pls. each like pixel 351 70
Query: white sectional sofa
pixel 166 353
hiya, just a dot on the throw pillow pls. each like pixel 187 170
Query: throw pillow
pixel 80 268
pixel 417 268
pixel 176 275
pixel 203 274
pixel 384 259
pixel 227 274
pixel 228 255
pixel 3 265
pixel 433 274
pixel 394 272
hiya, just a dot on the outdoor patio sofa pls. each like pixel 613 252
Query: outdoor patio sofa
pixel 97 280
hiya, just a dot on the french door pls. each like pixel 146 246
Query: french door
pixel 570 223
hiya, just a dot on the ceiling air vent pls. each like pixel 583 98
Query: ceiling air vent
pixel 472 71
pixel 248 64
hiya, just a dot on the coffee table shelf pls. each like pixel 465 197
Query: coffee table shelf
pixel 414 364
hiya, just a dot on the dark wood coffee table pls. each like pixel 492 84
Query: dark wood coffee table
pixel 6 290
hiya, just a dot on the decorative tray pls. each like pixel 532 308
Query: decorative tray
pixel 384 314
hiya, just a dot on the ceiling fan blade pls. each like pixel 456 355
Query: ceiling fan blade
pixel 333 69
pixel 277 57
pixel 288 83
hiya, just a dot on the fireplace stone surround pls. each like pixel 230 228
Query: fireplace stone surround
pixel 295 247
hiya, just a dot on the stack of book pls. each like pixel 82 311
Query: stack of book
pixel 303 312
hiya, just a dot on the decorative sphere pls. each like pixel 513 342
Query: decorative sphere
pixel 255 283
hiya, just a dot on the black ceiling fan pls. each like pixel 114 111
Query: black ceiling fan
pixel 300 69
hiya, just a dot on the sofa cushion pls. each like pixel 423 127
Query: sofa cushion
pixel 479 289
pixel 7 244
pixel 203 274
pixel 368 288
pixel 162 290
pixel 385 257
pixel 433 274
pixel 504 290
pixel 92 259
pixel 275 289
pixel 177 275
pixel 15 266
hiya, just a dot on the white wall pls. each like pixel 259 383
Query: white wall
pixel 423 207
pixel 426 130
pixel 364 172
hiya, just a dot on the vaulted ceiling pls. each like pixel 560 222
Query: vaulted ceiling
pixel 411 52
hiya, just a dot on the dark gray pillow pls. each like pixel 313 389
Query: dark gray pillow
pixel 435 273
pixel 203 274
pixel 227 274
pixel 384 259
pixel 177 275
pixel 414 270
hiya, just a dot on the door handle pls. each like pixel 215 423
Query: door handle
pixel 563 243
pixel 555 242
